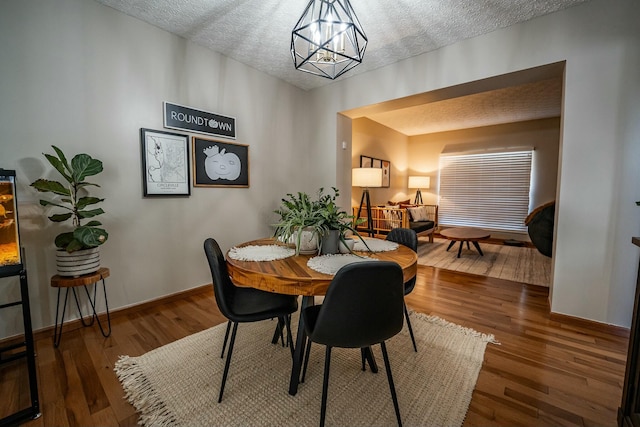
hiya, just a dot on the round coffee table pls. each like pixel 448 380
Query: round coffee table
pixel 466 234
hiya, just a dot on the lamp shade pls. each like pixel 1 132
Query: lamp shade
pixel 419 181
pixel 366 177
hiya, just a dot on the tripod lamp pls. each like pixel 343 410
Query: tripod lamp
pixel 419 182
pixel 366 178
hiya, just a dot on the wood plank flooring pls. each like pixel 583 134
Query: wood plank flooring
pixel 545 372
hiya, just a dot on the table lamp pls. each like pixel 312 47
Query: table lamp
pixel 419 182
pixel 366 178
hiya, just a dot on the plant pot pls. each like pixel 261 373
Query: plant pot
pixel 308 241
pixel 330 242
pixel 348 247
pixel 77 263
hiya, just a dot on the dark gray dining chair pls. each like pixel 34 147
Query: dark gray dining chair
pixel 362 307
pixel 408 238
pixel 242 305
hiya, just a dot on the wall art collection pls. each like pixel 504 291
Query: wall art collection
pixel 385 165
pixel 166 167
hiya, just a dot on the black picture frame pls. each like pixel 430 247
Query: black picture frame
pixel 165 163
pixel 386 173
pixel 219 163
pixel 385 165
pixel 366 161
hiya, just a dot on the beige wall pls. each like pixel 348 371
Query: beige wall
pixel 374 140
pixel 594 262
pixel 542 135
pixel 419 155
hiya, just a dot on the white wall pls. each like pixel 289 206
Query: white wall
pixel 595 263
pixel 86 78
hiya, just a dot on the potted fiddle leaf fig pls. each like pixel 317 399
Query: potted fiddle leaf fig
pixel 78 248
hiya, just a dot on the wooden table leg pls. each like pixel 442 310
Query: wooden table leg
pixel 450 244
pixel 460 248
pixel 477 245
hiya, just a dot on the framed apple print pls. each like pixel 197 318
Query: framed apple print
pixel 219 164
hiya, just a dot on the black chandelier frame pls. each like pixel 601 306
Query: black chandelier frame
pixel 328 39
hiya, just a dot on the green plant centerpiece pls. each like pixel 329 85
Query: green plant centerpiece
pixel 74 200
pixel 320 216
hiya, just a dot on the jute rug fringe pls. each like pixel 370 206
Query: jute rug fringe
pixel 489 338
pixel 142 394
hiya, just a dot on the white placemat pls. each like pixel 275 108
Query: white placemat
pixel 376 245
pixel 260 252
pixel 330 264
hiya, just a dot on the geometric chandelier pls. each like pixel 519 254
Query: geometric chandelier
pixel 328 40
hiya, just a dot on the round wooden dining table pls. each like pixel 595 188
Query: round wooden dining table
pixel 292 276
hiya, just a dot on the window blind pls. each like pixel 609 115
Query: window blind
pixel 487 190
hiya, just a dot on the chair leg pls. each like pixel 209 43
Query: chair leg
pixel 392 387
pixel 306 359
pixel 278 333
pixel 406 316
pixel 226 337
pixel 325 385
pixel 228 362
pixel 281 323
pixel 367 356
pixel 287 324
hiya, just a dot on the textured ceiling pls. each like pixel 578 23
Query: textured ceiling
pixel 258 34
pixel 531 101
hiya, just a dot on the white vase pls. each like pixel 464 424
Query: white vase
pixel 308 241
pixel 346 249
pixel 77 263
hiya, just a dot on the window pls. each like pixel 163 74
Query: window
pixel 487 190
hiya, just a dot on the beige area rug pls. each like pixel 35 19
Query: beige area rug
pixel 178 384
pixel 520 264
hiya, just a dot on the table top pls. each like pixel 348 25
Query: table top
pixel 292 276
pixel 58 281
pixel 465 233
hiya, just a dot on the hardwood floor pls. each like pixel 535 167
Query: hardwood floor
pixel 550 371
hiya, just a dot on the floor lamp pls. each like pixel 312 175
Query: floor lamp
pixel 366 178
pixel 419 182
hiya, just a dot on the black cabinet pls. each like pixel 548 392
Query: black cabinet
pixel 629 411
pixel 22 350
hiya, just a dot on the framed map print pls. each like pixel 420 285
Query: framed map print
pixel 165 163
